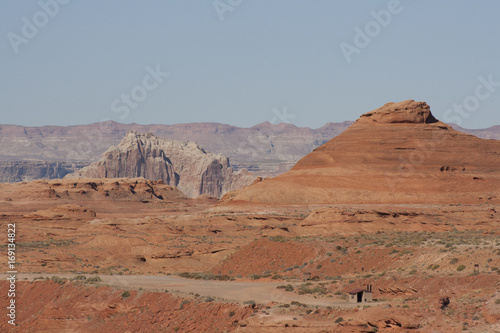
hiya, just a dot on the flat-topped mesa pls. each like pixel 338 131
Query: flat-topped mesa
pixel 407 111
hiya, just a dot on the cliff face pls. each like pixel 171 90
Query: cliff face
pixel 184 165
pixel 18 171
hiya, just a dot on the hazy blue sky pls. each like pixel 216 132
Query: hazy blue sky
pixel 87 56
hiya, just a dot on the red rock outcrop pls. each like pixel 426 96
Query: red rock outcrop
pixel 182 164
pixel 398 153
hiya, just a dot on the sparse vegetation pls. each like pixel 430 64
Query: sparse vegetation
pixel 205 276
pixel 287 287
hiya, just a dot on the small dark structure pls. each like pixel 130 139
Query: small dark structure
pixel 361 295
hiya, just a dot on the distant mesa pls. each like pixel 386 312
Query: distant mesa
pixel 397 154
pixel 183 164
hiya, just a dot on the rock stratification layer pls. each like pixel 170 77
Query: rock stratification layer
pixel 18 171
pixel 398 153
pixel 184 165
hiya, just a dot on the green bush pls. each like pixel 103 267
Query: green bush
pixel 339 320
pixel 125 294
pixel 460 268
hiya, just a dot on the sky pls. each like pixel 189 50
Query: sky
pixel 243 62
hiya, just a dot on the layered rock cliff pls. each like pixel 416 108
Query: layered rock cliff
pixel 183 164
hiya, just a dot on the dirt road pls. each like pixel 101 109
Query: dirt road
pixel 260 292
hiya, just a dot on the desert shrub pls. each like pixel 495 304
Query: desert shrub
pixel 205 276
pixel 59 280
pixel 184 302
pixel 78 277
pixel 339 320
pixel 460 268
pixel 280 239
pixel 125 294
pixel 94 279
pixel 304 289
pixel 250 302
pixel 288 287
pixel 298 304
pixel 453 261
